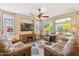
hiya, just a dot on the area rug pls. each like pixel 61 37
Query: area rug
pixel 37 48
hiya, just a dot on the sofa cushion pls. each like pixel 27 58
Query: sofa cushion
pixel 61 43
pixel 58 48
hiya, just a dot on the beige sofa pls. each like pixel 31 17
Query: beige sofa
pixel 63 47
pixel 16 49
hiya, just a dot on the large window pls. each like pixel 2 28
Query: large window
pixel 63 26
pixel 8 25
pixel 48 26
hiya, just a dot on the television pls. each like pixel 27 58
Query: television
pixel 26 27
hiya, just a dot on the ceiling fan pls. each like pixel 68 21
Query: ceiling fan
pixel 40 15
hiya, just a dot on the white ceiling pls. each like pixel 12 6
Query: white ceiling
pixel 51 9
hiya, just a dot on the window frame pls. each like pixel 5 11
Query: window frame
pixel 63 23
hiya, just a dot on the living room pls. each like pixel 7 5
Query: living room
pixel 36 29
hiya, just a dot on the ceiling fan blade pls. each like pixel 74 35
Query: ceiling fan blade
pixel 45 16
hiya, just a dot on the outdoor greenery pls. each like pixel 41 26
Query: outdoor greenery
pixel 48 27
pixel 66 26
